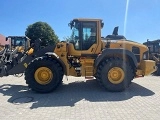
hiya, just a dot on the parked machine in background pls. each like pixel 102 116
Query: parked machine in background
pixel 20 41
pixel 113 60
pixel 16 48
pixel 154 52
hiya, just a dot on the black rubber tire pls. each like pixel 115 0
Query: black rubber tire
pixel 102 74
pixel 50 63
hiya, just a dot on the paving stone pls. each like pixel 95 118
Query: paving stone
pixel 80 99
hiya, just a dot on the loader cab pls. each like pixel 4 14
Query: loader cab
pixel 85 37
pixel 21 41
pixel 154 46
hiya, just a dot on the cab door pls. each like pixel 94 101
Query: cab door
pixel 86 37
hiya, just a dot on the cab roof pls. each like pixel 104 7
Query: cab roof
pixel 15 37
pixel 87 19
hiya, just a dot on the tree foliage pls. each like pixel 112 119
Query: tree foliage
pixel 43 31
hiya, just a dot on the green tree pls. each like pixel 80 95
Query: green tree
pixel 43 31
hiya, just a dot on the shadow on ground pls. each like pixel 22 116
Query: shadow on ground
pixel 70 94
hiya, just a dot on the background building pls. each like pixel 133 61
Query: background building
pixel 3 40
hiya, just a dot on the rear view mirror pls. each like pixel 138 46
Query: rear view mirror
pixel 71 24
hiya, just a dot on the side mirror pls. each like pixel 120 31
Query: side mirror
pixel 102 24
pixel 71 24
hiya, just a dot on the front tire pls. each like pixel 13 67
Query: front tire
pixel 43 74
pixel 115 74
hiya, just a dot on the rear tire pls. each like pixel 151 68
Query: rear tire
pixel 115 75
pixel 44 74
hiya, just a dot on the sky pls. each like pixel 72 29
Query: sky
pixel 138 20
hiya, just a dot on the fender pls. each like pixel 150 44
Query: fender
pixel 55 56
pixel 107 52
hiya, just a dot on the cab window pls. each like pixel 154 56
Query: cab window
pixel 88 35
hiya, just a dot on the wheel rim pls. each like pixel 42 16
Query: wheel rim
pixel 43 75
pixel 116 75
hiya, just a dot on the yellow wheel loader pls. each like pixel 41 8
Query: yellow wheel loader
pixel 16 47
pixel 113 60
pixel 23 42
pixel 18 44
